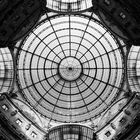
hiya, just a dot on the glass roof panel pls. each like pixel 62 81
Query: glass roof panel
pixel 133 68
pixel 68 5
pixel 71 132
pixel 6 70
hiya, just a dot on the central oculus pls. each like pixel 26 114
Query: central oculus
pixel 70 68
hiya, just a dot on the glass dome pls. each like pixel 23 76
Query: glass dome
pixel 70 68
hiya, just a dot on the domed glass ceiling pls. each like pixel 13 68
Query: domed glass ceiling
pixel 70 68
